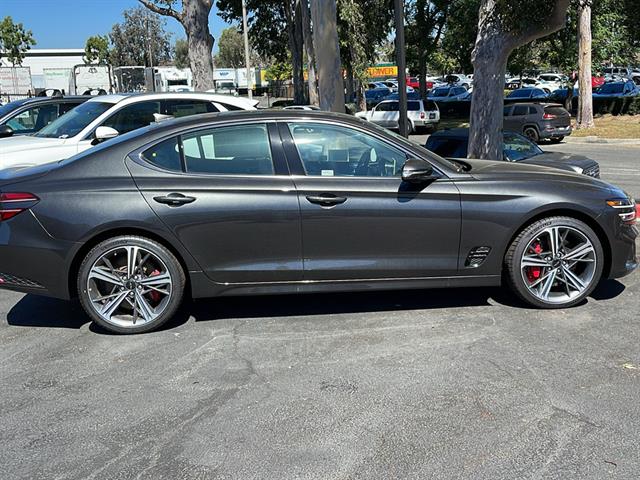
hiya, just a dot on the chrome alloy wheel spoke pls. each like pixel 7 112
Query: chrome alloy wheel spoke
pixel 564 270
pixel 129 286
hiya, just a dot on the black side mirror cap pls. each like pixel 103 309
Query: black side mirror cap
pixel 5 131
pixel 417 171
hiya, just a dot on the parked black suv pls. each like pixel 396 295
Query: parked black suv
pixel 538 121
pixel 30 115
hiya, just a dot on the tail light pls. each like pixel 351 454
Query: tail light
pixel 549 116
pixel 627 208
pixel 13 203
pixel 422 115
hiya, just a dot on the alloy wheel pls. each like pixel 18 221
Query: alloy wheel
pixel 559 264
pixel 129 286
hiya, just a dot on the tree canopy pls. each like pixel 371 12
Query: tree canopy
pixel 15 41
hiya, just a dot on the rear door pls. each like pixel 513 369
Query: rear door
pixel 226 194
pixel 360 221
pixel 518 118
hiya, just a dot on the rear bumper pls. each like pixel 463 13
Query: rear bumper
pixel 555 132
pixel 31 261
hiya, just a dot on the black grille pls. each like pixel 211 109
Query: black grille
pixel 593 171
pixel 477 256
pixel 13 281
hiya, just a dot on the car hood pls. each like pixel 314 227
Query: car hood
pixel 563 161
pixel 500 170
pixel 26 151
pixel 17 144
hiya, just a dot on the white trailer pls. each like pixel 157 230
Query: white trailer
pixel 168 79
pixel 88 79
pixel 57 79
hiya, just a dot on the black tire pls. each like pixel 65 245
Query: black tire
pixel 516 250
pixel 532 134
pixel 556 139
pixel 173 267
pixel 434 127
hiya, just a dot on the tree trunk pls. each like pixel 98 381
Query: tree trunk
pixel 325 34
pixel 194 17
pixel 422 69
pixel 293 9
pixel 311 54
pixel 493 46
pixel 350 81
pixel 585 99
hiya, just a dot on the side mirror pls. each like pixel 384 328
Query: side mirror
pixel 5 131
pixel 105 133
pixel 417 171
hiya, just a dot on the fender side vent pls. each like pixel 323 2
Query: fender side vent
pixel 477 256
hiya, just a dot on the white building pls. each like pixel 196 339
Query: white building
pixel 39 59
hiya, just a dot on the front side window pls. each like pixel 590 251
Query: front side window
pixel 133 116
pixel 237 150
pixel 76 120
pixel 34 119
pixel 334 151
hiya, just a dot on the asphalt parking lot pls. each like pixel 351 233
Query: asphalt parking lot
pixel 435 384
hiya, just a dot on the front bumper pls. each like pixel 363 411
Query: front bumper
pixel 624 259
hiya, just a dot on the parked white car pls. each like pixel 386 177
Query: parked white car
pixel 422 115
pixel 105 117
pixel 550 82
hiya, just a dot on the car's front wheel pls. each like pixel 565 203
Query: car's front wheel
pixel 555 262
pixel 130 284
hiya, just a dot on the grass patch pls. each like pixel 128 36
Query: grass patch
pixel 452 123
pixel 609 126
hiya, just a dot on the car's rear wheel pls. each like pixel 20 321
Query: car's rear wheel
pixel 532 134
pixel 130 284
pixel 555 262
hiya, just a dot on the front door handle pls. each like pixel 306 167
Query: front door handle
pixel 326 200
pixel 175 199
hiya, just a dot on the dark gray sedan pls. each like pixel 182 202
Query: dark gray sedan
pixel 246 203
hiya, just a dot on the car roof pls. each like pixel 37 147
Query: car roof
pixel 141 97
pixel 34 100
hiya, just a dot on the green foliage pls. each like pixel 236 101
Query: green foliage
pixel 426 22
pixel 141 32
pixel 181 53
pixel 15 41
pixel 230 49
pixel 96 50
pixel 278 71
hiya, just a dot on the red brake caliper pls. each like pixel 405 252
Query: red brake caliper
pixel 533 273
pixel 155 296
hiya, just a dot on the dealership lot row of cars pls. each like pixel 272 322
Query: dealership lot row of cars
pixel 130 209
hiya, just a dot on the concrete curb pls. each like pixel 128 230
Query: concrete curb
pixel 605 141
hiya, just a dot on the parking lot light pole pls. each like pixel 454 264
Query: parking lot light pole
pixel 247 58
pixel 402 67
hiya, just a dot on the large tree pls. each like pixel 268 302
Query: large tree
pixel 231 50
pixel 194 17
pixel 503 25
pixel 15 41
pixel 141 39
pixel 325 35
pixel 96 50
pixel 585 98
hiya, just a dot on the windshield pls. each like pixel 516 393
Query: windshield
pixel 440 92
pixel 518 148
pixel 172 83
pixel 72 123
pixel 611 88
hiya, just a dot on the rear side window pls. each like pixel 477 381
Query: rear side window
pixel 520 110
pixel 430 106
pixel 239 150
pixel 413 106
pixel 231 108
pixel 165 155
pixel 186 107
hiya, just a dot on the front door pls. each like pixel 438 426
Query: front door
pixel 228 197
pixel 359 220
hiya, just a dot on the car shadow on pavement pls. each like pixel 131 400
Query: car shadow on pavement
pixel 35 311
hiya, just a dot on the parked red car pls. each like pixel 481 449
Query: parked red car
pixel 414 82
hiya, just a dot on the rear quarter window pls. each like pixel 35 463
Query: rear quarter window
pixel 165 155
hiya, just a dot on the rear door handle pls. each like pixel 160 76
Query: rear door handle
pixel 326 200
pixel 174 199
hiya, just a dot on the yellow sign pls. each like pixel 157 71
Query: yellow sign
pixel 390 71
